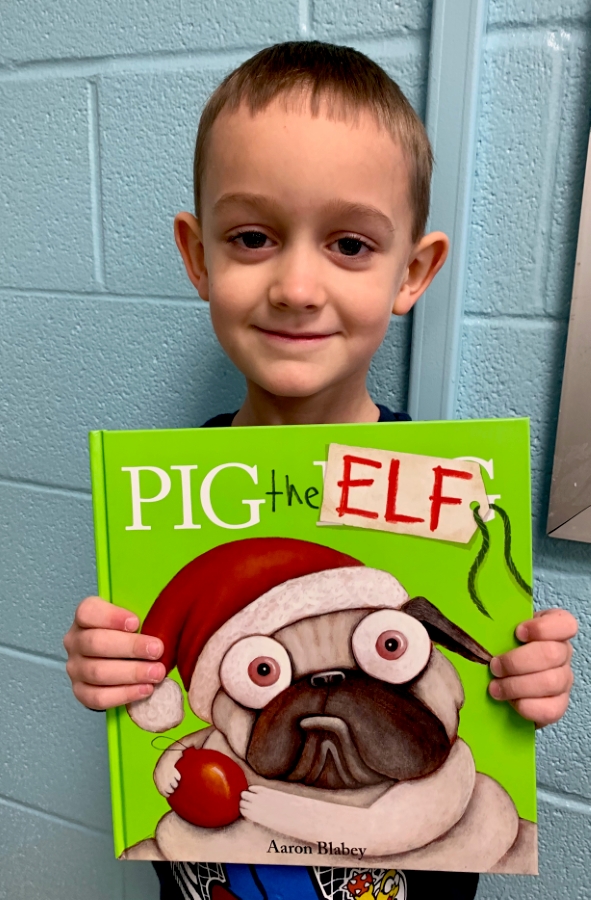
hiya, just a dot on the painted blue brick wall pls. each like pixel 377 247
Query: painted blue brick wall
pixel 99 328
pixel 532 141
pixel 46 200
pixel 38 30
pixel 46 548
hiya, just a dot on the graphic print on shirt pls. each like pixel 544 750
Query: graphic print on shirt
pixel 202 881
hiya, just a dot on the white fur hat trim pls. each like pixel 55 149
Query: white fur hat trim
pixel 351 587
pixel 162 710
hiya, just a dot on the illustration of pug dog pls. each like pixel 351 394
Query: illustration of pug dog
pixel 322 683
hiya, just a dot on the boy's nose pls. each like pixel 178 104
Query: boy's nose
pixel 296 285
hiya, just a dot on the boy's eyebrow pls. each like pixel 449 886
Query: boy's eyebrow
pixel 346 207
pixel 256 200
pixel 335 207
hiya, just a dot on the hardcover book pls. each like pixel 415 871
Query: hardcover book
pixel 329 598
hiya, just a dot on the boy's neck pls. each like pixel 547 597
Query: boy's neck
pixel 336 405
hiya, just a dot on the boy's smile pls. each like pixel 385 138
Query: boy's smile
pixel 304 249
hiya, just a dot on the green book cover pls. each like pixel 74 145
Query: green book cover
pixel 329 597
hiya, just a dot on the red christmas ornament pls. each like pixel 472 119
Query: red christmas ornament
pixel 208 793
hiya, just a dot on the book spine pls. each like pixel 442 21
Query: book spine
pixel 101 539
pixel 99 508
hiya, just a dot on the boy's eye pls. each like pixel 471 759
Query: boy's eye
pixel 252 240
pixel 350 246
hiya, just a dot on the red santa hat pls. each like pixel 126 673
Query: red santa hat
pixel 250 586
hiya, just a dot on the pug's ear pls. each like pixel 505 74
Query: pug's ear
pixel 443 631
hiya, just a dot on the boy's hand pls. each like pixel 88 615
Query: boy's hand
pixel 537 678
pixel 103 650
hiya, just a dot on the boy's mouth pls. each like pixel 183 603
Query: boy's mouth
pixel 295 336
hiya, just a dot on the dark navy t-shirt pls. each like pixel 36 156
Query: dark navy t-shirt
pixel 217 881
pixel 386 415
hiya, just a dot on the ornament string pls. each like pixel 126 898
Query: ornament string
pixel 482 553
pixel 507 549
pixel 478 562
pixel 165 737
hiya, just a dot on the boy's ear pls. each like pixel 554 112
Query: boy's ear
pixel 189 240
pixel 425 261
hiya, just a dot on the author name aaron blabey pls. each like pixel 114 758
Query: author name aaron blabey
pixel 323 847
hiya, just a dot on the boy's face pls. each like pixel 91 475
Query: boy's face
pixel 304 245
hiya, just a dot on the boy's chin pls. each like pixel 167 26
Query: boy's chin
pixel 297 387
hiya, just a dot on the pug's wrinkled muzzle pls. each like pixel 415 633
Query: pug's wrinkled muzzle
pixel 330 759
pixel 344 729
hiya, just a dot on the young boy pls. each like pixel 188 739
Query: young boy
pixel 312 178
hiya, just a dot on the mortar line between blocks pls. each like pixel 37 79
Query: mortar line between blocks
pixel 538 28
pixel 157 61
pixel 543 570
pixel 29 656
pixel 522 320
pixel 390 45
pixel 60 295
pixel 305 17
pixel 52 817
pixel 96 188
pixel 44 487
pixel 556 42
pixel 391 42
pixel 562 801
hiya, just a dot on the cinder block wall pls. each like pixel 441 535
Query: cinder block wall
pixel 100 328
pixel 532 143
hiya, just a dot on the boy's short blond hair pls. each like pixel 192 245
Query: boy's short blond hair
pixel 344 77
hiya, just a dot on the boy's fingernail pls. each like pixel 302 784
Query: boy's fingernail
pixel 145 689
pixel 496 666
pixel 495 690
pixel 132 624
pixel 521 632
pixel 155 672
pixel 154 649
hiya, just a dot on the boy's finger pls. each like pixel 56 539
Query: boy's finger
pixel 94 612
pixel 530 658
pixel 551 683
pixel 548 625
pixel 109 672
pixel 542 711
pixel 117 644
pixel 108 697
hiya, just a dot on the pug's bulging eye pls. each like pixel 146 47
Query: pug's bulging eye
pixel 264 671
pixel 254 670
pixel 391 646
